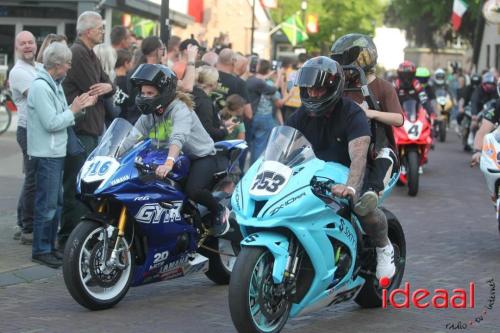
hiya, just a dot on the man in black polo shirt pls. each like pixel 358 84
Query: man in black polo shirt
pixel 339 132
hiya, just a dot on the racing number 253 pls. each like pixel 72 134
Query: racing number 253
pixel 268 180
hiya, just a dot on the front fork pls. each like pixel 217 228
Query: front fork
pixel 113 261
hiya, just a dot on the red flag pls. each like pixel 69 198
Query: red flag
pixel 196 9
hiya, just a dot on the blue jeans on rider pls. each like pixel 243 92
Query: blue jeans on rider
pixel 48 203
pixel 262 126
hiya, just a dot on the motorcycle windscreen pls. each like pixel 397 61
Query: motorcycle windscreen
pixel 410 108
pixel 288 146
pixel 120 137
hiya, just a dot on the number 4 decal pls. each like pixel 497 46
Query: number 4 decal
pixel 413 130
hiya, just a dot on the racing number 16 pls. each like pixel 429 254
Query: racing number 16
pixel 268 180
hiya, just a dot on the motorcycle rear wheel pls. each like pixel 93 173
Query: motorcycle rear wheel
pixel 88 283
pixel 256 304
pixel 220 265
pixel 370 296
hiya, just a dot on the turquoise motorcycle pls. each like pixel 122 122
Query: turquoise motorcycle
pixel 303 248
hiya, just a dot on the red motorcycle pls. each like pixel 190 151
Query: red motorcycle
pixel 414 141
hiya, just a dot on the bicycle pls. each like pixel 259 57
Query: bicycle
pixel 6 108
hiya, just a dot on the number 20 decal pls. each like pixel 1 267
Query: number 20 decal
pixel 269 181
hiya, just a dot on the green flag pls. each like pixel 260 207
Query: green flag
pixel 294 29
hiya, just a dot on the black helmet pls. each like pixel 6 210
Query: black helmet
pixel 162 78
pixel 475 80
pixel 355 49
pixel 316 73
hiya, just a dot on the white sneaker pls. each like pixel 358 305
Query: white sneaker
pixel 385 262
pixel 420 170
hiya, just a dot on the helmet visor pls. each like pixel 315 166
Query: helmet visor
pixel 145 74
pixel 309 77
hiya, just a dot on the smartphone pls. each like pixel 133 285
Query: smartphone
pixel 275 65
pixel 254 60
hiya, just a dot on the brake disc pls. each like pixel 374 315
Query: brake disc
pixel 103 278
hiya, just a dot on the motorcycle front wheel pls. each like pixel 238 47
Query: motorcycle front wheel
pixel 413 160
pixel 91 282
pixel 256 303
pixel 442 131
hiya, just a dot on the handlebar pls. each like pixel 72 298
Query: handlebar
pixel 323 189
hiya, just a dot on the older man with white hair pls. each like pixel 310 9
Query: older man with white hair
pixel 20 78
pixel 85 75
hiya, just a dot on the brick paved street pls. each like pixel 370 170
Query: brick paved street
pixel 451 234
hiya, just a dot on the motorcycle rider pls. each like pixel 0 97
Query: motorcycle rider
pixel 339 132
pixel 407 86
pixel 168 117
pixel 491 119
pixel 485 92
pixel 423 75
pixel 379 168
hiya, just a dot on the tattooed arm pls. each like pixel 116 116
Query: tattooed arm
pixel 358 151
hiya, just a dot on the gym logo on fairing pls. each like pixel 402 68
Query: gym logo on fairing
pixel 154 213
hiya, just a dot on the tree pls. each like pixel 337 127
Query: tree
pixel 335 18
pixel 428 22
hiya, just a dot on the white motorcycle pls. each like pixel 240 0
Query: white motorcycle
pixel 490 166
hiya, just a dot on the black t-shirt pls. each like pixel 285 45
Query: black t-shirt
pixel 493 114
pixel 121 97
pixel 330 134
pixel 228 84
pixel 209 118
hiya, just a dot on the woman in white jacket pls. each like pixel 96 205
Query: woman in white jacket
pixel 48 118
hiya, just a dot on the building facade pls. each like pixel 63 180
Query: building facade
pixel 205 19
pixel 489 55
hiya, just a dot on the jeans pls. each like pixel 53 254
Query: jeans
pixel 73 210
pixel 27 197
pixel 262 126
pixel 48 203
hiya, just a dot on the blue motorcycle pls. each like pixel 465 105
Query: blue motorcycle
pixel 303 248
pixel 142 229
